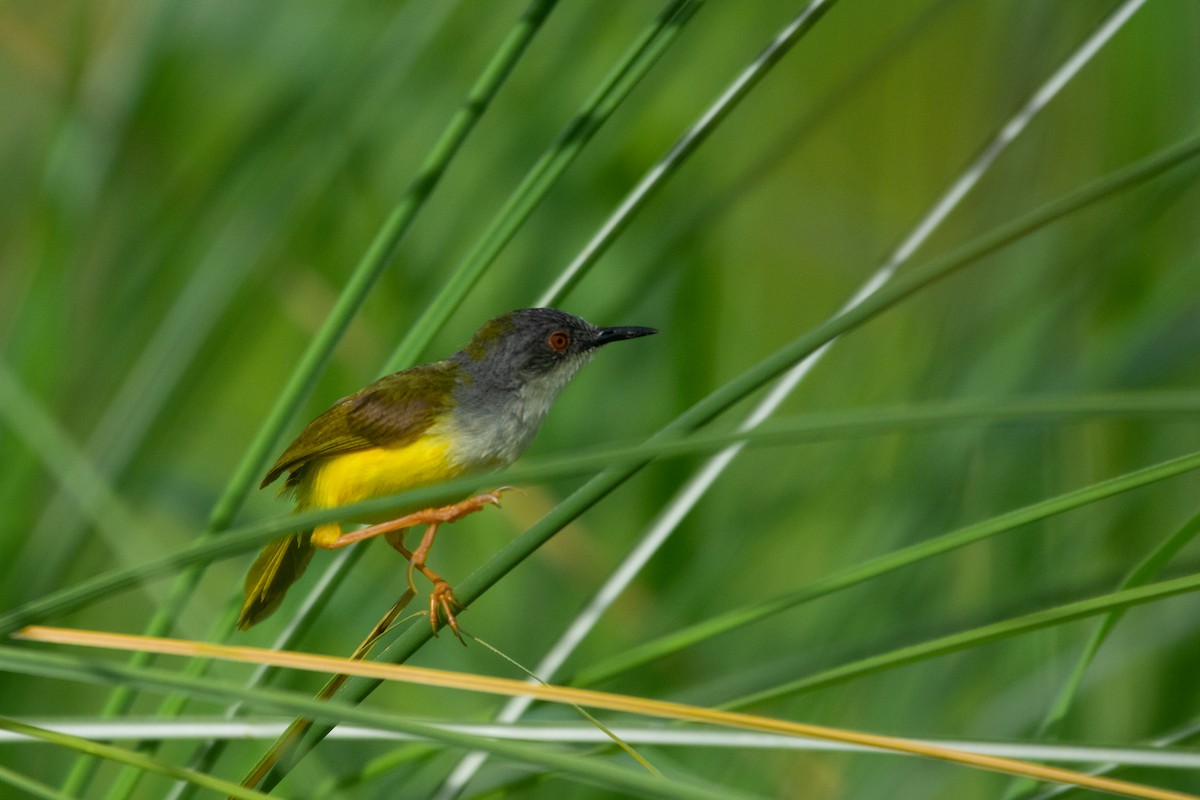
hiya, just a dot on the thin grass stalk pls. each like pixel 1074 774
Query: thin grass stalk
pixel 882 565
pixel 31 422
pixel 21 660
pixel 814 428
pixel 171 349
pixel 771 367
pixel 635 782
pixel 205 756
pixel 264 727
pixel 133 758
pixel 622 78
pixel 1145 571
pixel 678 508
pixel 377 257
pixel 985 634
pixel 1182 735
pixel 683 148
pixel 299 726
pixel 30 786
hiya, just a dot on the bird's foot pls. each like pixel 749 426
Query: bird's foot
pixel 442 599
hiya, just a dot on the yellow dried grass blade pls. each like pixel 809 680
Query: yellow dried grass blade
pixel 591 698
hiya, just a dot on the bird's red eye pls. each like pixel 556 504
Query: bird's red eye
pixel 559 341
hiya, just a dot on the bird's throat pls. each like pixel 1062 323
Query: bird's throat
pixel 493 428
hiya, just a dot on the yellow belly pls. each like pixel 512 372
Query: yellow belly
pixel 353 477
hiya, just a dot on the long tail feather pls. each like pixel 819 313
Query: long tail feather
pixel 278 566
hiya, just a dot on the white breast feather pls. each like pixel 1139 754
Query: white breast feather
pixel 498 437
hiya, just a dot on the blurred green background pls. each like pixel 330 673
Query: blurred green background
pixel 187 188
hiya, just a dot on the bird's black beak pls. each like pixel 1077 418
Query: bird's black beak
pixel 606 335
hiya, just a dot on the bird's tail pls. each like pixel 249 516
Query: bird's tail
pixel 278 566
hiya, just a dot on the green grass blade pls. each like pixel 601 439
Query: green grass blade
pixel 774 365
pixel 51 665
pixel 131 758
pixel 874 568
pixel 226 264
pixel 206 755
pixel 51 445
pixel 1180 736
pixel 621 79
pixel 1143 573
pixel 683 148
pixel 815 427
pixel 1005 629
pixel 30 786
pixel 149 384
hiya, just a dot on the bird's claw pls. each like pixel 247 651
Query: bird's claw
pixel 442 599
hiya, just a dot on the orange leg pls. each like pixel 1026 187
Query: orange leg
pixel 428 516
pixel 441 598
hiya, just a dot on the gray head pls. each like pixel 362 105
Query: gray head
pixel 512 370
pixel 542 345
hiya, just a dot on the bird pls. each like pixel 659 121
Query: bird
pixel 472 413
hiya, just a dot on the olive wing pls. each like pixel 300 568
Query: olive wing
pixel 391 412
